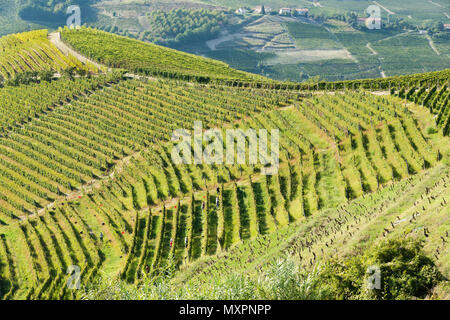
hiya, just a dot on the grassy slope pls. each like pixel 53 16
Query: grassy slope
pixel 368 217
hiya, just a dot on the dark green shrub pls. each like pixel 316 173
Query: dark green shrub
pixel 406 272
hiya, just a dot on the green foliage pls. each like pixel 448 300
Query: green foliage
pixel 283 280
pixel 432 130
pixel 434 98
pixel 180 26
pixel 48 11
pixel 38 96
pixel 30 56
pixel 406 272
pixel 387 83
pixel 280 280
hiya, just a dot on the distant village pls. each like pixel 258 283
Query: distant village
pixel 267 10
pixel 299 12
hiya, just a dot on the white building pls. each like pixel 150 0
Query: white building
pixel 242 11
pixel 285 11
pixel 259 9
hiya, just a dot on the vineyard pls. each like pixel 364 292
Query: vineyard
pixel 80 188
pixel 149 59
pixel 434 98
pixel 33 52
pixel 395 211
pixel 23 103
pixel 87 177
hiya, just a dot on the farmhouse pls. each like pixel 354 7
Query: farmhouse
pixel 242 11
pixel 285 11
pixel 301 12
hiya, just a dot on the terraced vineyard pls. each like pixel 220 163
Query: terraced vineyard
pixel 434 98
pixel 33 52
pixel 148 59
pixel 83 188
pixel 21 104
pixel 76 144
pixel 87 177
pixel 414 207
pixel 61 156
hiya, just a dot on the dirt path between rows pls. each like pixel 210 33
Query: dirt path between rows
pixel 55 39
pixel 369 46
pixel 436 4
pixel 430 41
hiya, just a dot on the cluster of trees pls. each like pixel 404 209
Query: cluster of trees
pixel 44 75
pixel 47 10
pixel 181 25
pixel 29 77
pixel 407 273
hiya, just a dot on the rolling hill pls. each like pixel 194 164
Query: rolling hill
pixel 87 177
pixel 330 42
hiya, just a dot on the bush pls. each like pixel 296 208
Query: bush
pixel 405 271
pixel 432 130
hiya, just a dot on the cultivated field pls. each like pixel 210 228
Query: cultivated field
pixel 87 177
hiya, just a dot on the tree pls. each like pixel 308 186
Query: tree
pixel 405 272
pixel 46 75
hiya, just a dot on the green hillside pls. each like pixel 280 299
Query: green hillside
pixel 391 209
pixel 149 59
pixel 87 178
pixel 32 53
